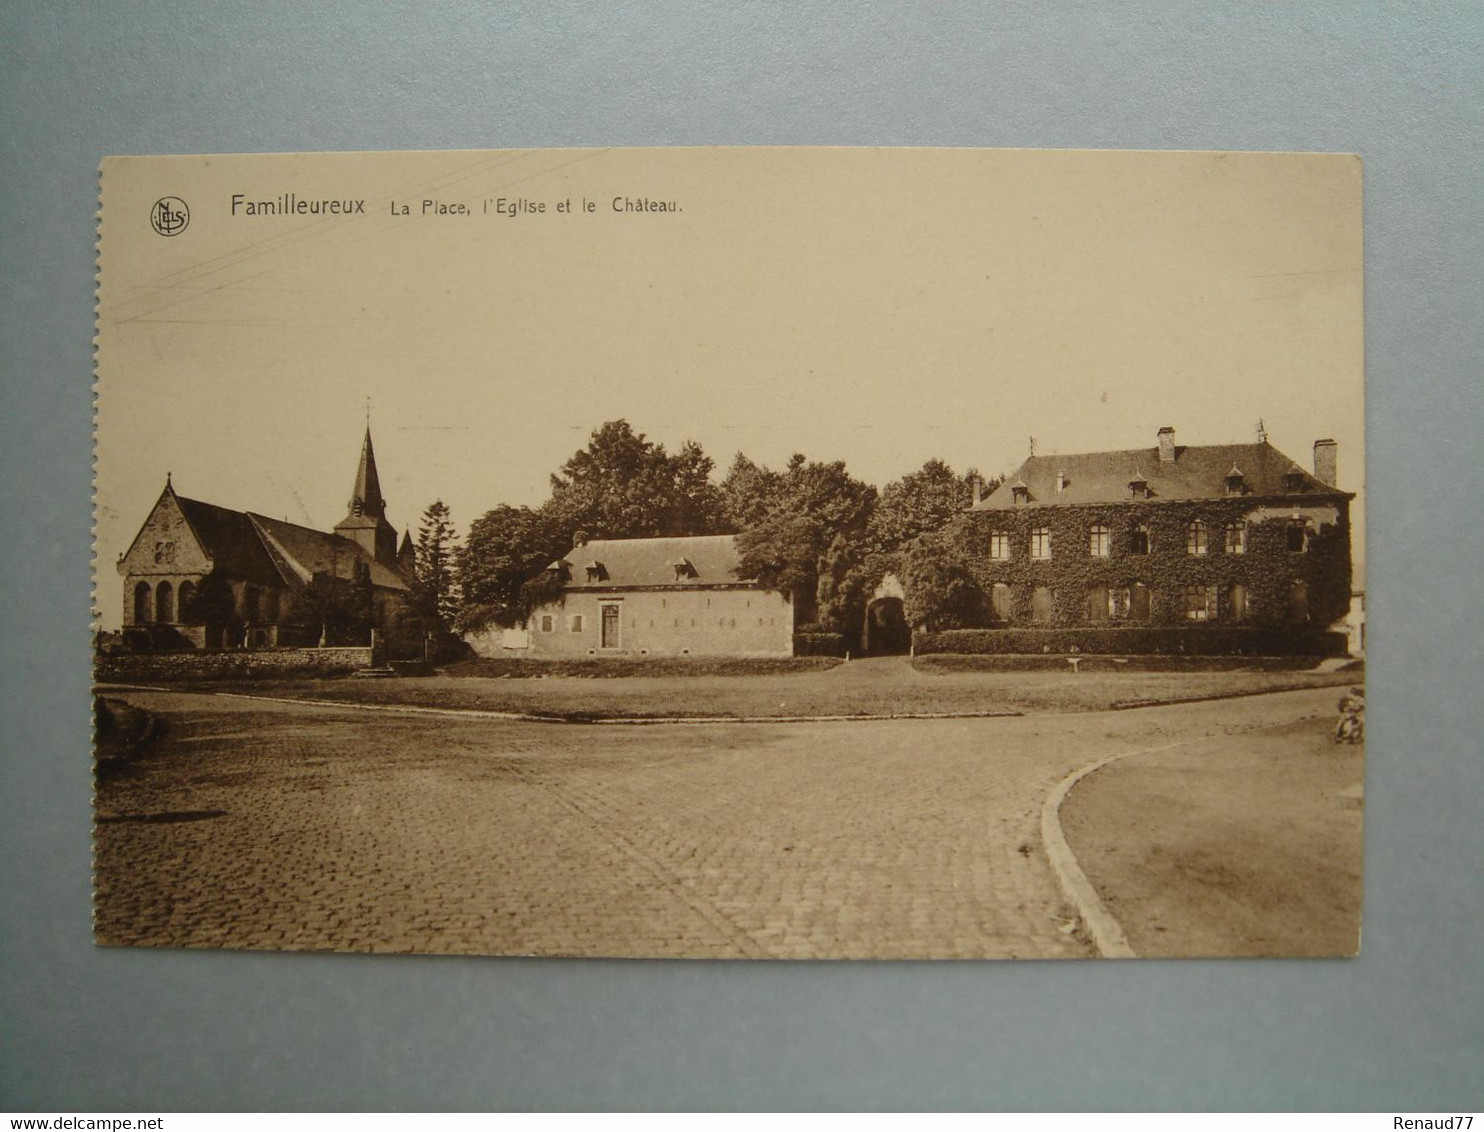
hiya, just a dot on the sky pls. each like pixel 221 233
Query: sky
pixel 877 306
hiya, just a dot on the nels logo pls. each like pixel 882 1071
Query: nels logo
pixel 169 216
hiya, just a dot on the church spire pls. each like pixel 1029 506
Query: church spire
pixel 365 521
pixel 365 498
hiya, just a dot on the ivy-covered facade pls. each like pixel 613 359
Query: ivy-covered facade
pixel 1232 536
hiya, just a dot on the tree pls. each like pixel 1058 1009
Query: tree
pixel 212 604
pixel 622 485
pixel 437 588
pixel 808 516
pixel 934 570
pixel 697 506
pixel 922 501
pixel 506 547
pixel 339 609
pixel 750 493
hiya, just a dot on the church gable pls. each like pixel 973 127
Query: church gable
pixel 166 543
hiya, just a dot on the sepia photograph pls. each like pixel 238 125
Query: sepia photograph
pixel 777 553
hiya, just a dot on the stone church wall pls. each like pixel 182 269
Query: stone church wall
pixel 232 665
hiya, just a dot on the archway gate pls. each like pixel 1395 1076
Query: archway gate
pixel 885 631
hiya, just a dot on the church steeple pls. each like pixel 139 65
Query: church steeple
pixel 365 520
pixel 365 497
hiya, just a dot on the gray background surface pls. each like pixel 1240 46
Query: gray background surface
pixel 1399 1028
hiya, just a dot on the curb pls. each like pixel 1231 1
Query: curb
pixel 1107 934
pixel 1105 930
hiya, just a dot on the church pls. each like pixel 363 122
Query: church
pixel 207 577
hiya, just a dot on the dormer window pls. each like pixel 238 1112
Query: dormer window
pixel 1236 482
pixel 684 569
pixel 1293 481
pixel 1021 493
pixel 595 571
pixel 1138 488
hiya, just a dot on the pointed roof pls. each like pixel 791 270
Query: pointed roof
pixel 231 542
pixel 365 497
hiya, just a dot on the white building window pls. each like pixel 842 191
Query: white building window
pixel 999 546
pixel 574 623
pixel 1041 543
pixel 1236 538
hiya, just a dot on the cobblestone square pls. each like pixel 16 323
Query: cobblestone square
pixel 289 826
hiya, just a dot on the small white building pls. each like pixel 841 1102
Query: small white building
pixel 659 597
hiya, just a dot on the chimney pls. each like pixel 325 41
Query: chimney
pixel 1327 462
pixel 1167 445
pixel 978 490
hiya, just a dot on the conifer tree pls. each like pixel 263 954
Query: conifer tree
pixel 436 549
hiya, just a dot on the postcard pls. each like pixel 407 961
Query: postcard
pixel 782 553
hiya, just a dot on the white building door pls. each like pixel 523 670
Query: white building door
pixel 611 615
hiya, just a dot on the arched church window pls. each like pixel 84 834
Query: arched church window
pixel 184 597
pixel 142 594
pixel 165 602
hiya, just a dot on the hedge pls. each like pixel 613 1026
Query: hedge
pixel 819 644
pixel 1204 640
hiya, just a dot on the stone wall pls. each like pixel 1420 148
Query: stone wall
pixel 231 664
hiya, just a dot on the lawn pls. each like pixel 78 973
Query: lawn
pixel 1239 844
pixel 860 688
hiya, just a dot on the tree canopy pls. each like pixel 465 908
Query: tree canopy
pixel 622 485
pixel 810 528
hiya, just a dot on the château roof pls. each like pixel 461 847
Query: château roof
pixel 1197 472
pixel 713 560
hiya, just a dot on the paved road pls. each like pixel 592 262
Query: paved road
pixel 251 824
